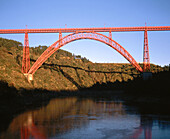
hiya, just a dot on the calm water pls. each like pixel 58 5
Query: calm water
pixel 74 118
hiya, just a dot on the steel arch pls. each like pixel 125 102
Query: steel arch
pixel 83 35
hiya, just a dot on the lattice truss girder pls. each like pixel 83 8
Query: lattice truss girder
pixel 83 35
pixel 146 58
pixel 26 56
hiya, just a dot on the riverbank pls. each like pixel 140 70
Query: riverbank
pixel 133 90
pixel 14 102
pixel 138 91
pixel 65 75
pixel 62 71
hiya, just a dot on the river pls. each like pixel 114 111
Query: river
pixel 85 118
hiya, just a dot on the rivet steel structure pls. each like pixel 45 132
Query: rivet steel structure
pixel 84 33
pixel 26 57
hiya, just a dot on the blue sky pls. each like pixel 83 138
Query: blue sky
pixel 16 14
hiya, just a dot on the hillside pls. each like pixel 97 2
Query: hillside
pixel 62 71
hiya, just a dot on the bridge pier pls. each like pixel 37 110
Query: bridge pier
pixel 146 75
pixel 29 77
pixel 146 58
pixel 26 57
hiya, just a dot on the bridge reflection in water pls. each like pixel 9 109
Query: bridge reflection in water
pixel 75 118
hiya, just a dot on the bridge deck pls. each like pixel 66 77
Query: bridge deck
pixel 70 30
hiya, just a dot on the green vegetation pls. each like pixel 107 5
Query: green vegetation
pixel 10 44
pixel 62 71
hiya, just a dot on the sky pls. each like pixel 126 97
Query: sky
pixel 16 14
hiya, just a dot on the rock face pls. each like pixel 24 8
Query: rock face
pixel 62 71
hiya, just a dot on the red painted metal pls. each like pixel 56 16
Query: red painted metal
pixel 72 30
pixel 110 35
pixel 60 37
pixel 26 57
pixel 146 59
pixel 83 35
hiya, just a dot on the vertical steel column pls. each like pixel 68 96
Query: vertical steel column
pixel 110 36
pixel 26 57
pixel 60 36
pixel 146 59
